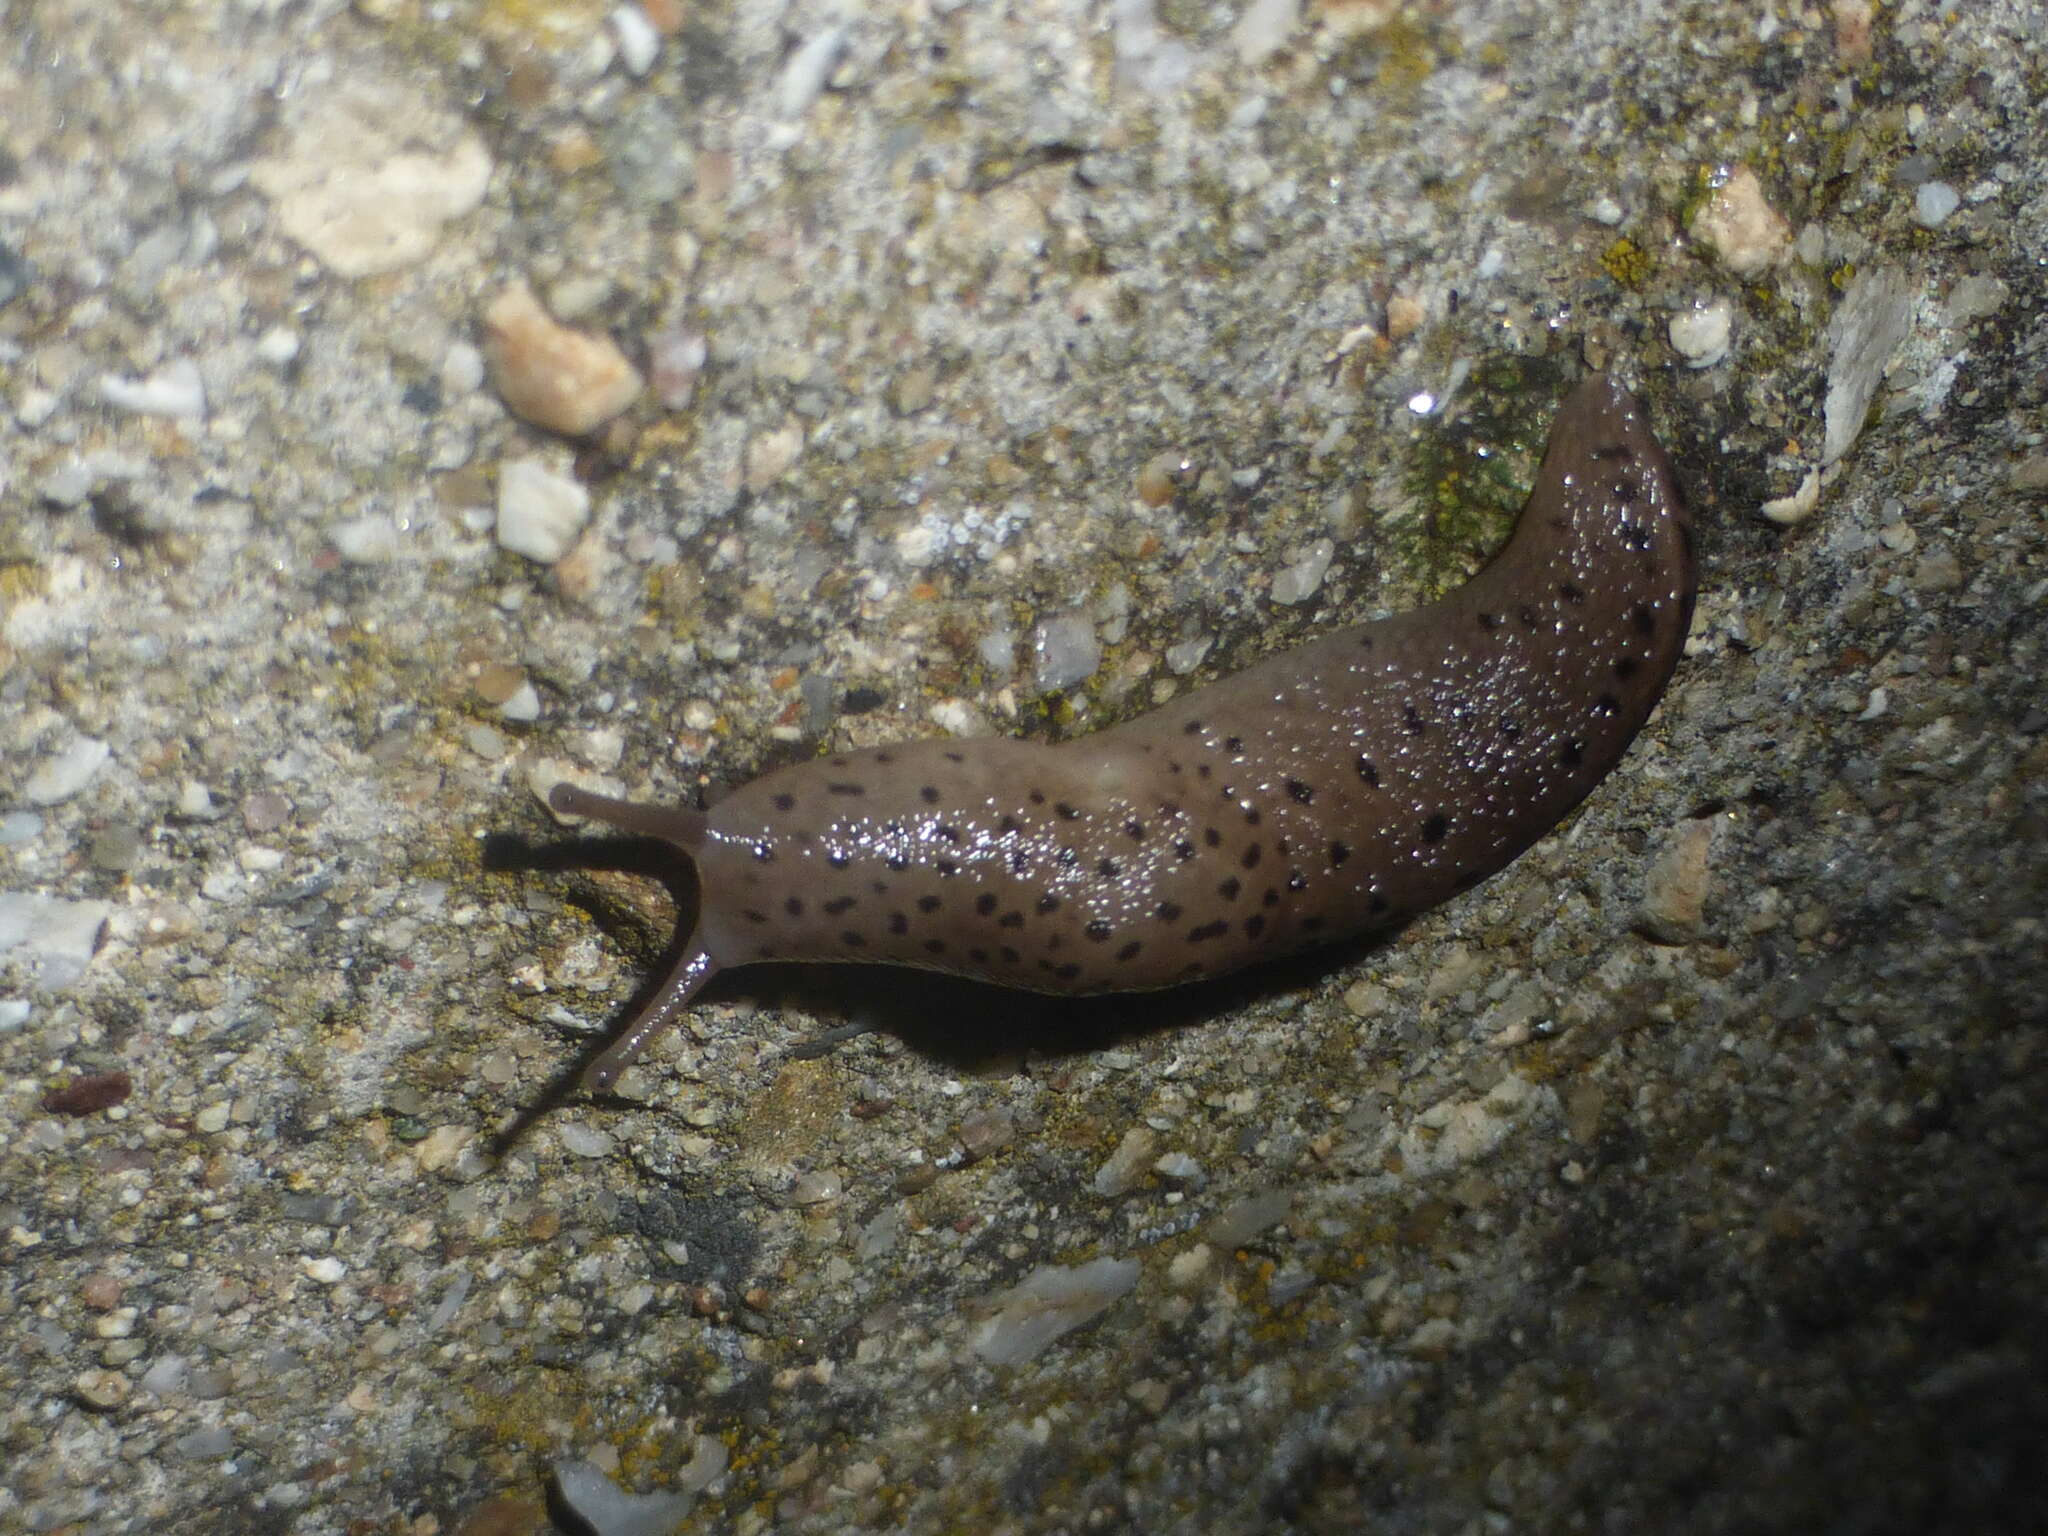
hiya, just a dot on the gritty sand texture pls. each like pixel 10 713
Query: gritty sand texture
pixel 1008 368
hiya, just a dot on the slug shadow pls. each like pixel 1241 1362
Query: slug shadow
pixel 963 1023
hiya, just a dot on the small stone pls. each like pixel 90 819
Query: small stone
pixel 540 512
pixel 212 1120
pixel 195 801
pixel 174 390
pixel 265 811
pixel 323 1270
pixel 1051 1301
pixel 101 1390
pixel 2030 475
pixel 523 708
pixel 497 681
pixel 1300 581
pixel 115 849
pixel 1240 1222
pixel 987 1132
pixel 19 827
pixel 675 358
pixel 911 392
pixel 369 540
pixel 1938 571
pixel 1933 202
pixel 54 937
pixel 1746 232
pixel 68 485
pixel 1064 651
pixel 1675 886
pixel 584 1140
pixel 1700 334
pixel 816 1189
pixel 1159 478
pixel 278 347
pixel 565 380
pixel 57 778
pixel 639 43
pixel 1786 511
pixel 1127 1164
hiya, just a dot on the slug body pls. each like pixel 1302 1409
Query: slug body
pixel 1333 789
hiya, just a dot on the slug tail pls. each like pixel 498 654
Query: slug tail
pixel 670 823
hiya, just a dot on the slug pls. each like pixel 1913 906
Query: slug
pixel 1333 789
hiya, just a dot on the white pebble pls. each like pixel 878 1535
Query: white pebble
pixel 540 512
pixel 56 779
pixel 278 346
pixel 1933 203
pixel 14 1013
pixel 174 390
pixel 1064 651
pixel 195 800
pixel 1700 334
pixel 54 937
pixel 524 705
pixel 370 540
pixel 462 369
pixel 1299 581
pixel 602 1505
pixel 325 1270
pixel 639 43
pixel 584 1140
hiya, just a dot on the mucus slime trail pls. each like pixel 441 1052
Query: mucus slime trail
pixel 1335 788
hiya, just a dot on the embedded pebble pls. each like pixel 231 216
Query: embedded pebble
pixel 1700 334
pixel 1051 1301
pixel 1298 582
pixel 195 801
pixel 2030 474
pixel 986 1132
pixel 278 347
pixel 14 1012
pixel 1676 883
pixel 816 1189
pixel 565 380
pixel 69 484
pixel 523 708
pixel 326 1269
pixel 584 1140
pixel 368 540
pixel 804 76
pixel 1786 511
pixel 1875 316
pixel 102 1389
pixel 370 174
pixel 540 512
pixel 675 358
pixel 1746 232
pixel 1179 1168
pixel 1933 202
pixel 1240 1222
pixel 639 43
pixel 1938 571
pixel 610 1511
pixel 174 390
pixel 1120 1174
pixel 1064 651
pixel 58 777
pixel 1184 656
pixel 205 1444
pixel 19 827
pixel 115 849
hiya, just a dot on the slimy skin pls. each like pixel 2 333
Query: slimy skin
pixel 1334 789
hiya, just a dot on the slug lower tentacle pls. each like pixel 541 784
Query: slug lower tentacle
pixel 1333 789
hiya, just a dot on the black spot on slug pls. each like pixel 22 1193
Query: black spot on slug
pixel 1048 903
pixel 1433 830
pixel 852 939
pixel 929 794
pixel 752 916
pixel 1606 704
pixel 898 923
pixel 839 904
pixel 1213 838
pixel 1208 931
pixel 1169 911
pixel 1066 811
pixel 1011 920
pixel 1228 889
pixel 928 903
pixel 1296 880
pixel 1490 621
pixel 1233 743
pixel 1574 753
pixel 1254 926
pixel 794 906
pixel 838 858
pixel 1411 720
pixel 986 903
pixel 1135 831
pixel 1369 772
pixel 1299 792
pixel 1626 668
pixel 1183 848
pixel 1129 951
pixel 1109 869
pixel 785 802
pixel 947 867
pixel 1571 592
pixel 1098 931
pixel 898 862
pixel 846 788
pixel 1339 852
pixel 1644 618
pixel 1251 857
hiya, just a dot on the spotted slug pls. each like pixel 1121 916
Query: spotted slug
pixel 1328 791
